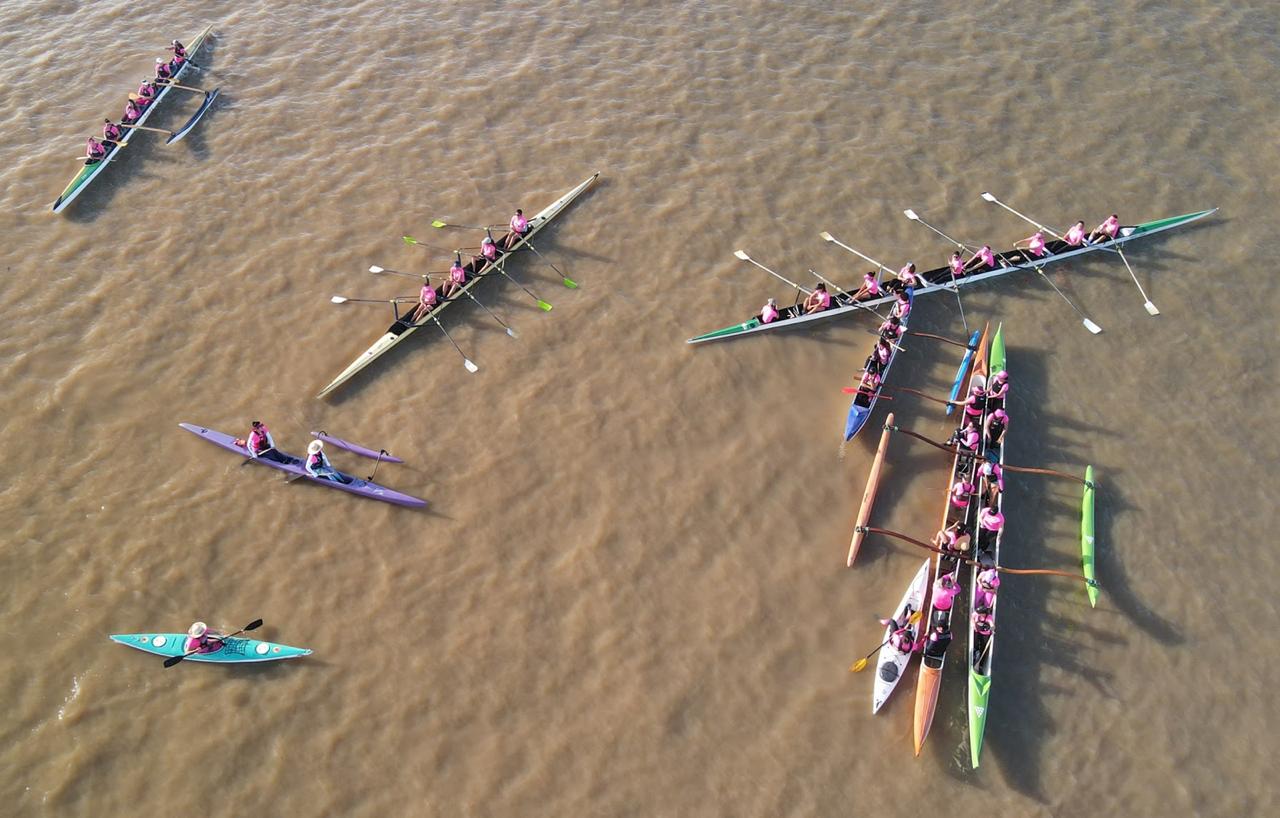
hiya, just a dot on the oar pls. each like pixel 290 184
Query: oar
pixel 853 303
pixel 951 450
pixel 911 214
pixel 115 142
pixel 402 299
pixel 1049 571
pixel 849 390
pixel 988 197
pixel 1088 324
pixel 858 666
pixel 740 254
pixel 494 315
pixel 568 282
pixel 471 367
pixel 412 241
pixel 183 87
pixel 173 660
pixel 375 269
pixel 1151 308
pixel 828 237
pixel 934 337
pixel 147 128
pixel 439 223
pixel 251 458
pixel 542 305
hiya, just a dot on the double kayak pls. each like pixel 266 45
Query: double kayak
pixel 234 650
pixel 292 464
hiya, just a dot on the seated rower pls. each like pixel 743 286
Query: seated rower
pixel 146 92
pixel 907 276
pixel 967 437
pixel 892 328
pixel 974 405
pixel 818 300
pixel 882 353
pixel 178 49
pixel 870 287
pixel 132 112
pixel 945 589
pixel 163 72
pixel 983 624
pixel 769 312
pixel 1033 244
pixel 961 491
pixel 488 252
pixel 998 390
pixel 457 277
pixel 991 481
pixel 870 382
pixel 904 635
pixel 427 301
pixel 261 444
pixel 317 463
pixel 995 427
pixel 938 640
pixel 956 263
pixel 901 306
pixel 954 538
pixel 202 640
pixel 990 522
pixel 984 596
pixel 519 226
pixel 94 151
pixel 1075 236
pixel 1109 229
pixel 111 132
pixel 984 256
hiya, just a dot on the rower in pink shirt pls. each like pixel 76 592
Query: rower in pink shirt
pixel 1075 236
pixel 519 226
pixel 956 263
pixel 983 255
pixel 1033 244
pixel 769 312
pixel 1110 228
pixel 870 287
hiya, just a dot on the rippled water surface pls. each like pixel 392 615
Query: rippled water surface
pixel 628 596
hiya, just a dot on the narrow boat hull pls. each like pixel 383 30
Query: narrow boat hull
pixel 963 371
pixel 363 451
pixel 869 495
pixel 293 466
pixel 1086 536
pixel 235 650
pixel 861 406
pixel 891 662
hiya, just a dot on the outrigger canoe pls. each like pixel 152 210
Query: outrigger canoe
pixel 234 650
pixel 863 402
pixel 403 327
pixel 930 680
pixel 90 171
pixel 939 279
pixel 982 648
pixel 1086 537
pixel 293 465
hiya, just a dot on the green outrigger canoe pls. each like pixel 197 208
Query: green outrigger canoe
pixel 1086 537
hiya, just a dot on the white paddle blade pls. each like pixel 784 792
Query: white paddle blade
pixel 1092 327
pixel 337 299
pixel 742 255
pixel 826 236
pixel 1151 308
pixel 376 269
pixel 471 367
pixel 911 214
pixel 988 197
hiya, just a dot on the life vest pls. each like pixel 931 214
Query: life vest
pixel 259 440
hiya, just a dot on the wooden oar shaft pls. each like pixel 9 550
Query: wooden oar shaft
pixel 915 392
pixel 952 450
pixel 147 128
pixel 873 530
pixel 939 338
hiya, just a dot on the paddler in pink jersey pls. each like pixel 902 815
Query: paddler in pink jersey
pixel 457 277
pixel 427 301
pixel 954 538
pixel 769 312
pixel 146 93
pixel 131 113
pixel 202 640
pixel 1075 236
pixel 1109 229
pixel 94 151
pixel 111 132
pixel 519 226
pixel 984 256
pixel 818 300
pixel 163 72
pixel 1033 244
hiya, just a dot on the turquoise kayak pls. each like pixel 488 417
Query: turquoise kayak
pixel 235 650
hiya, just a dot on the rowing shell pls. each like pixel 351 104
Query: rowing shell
pixel 869 496
pixel 862 404
pixel 930 680
pixel 1086 536
pixel 982 649
pixel 90 172
pixel 939 279
pixel 403 327
pixel 891 661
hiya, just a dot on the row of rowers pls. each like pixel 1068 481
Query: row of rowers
pixel 458 275
pixel 982 259
pixel 166 71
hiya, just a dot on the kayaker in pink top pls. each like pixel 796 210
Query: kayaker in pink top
pixel 202 640
pixel 94 150
pixel 818 300
pixel 519 226
pixel 1109 229
pixel 769 313
pixel 1075 236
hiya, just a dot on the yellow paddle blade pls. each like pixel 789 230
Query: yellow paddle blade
pixel 438 223
pixel 858 666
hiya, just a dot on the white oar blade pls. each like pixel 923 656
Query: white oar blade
pixel 911 214
pixel 1092 327
pixel 988 197
pixel 742 255
pixel 1151 308
pixel 471 367
pixel 337 299
pixel 512 333
pixel 375 269
pixel 826 236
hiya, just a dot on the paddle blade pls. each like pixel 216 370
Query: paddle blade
pixel 254 625
pixel 544 306
pixel 438 223
pixel 173 660
pixel 1092 327
pixel 988 197
pixel 911 214
pixel 742 255
pixel 376 269
pixel 826 236
pixel 858 666
pixel 570 283
pixel 849 390
pixel 337 299
pixel 471 367
pixel 409 239
pixel 1151 308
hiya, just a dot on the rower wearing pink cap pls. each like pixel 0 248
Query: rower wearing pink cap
pixel 202 640
pixel 1033 244
pixel 1075 236
pixel 998 390
pixel 519 226
pixel 984 596
pixel 974 405
pixel 990 520
pixel 769 312
pixel 1109 229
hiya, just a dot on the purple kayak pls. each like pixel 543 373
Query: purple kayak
pixel 383 455
pixel 293 465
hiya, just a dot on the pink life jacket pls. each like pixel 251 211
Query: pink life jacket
pixel 258 440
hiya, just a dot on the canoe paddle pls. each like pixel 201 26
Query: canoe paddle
pixel 861 664
pixel 173 660
pixel 250 459
pixel 147 128
pixel 183 87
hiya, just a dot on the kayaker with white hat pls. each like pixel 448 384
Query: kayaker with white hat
pixel 317 463
pixel 202 640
